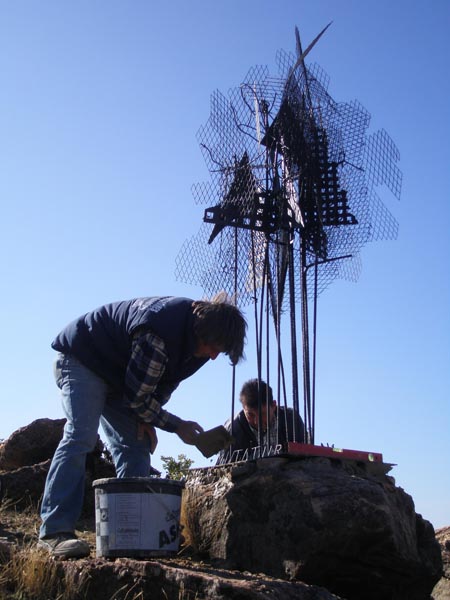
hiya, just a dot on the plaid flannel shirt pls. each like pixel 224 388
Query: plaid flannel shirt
pixel 273 439
pixel 143 393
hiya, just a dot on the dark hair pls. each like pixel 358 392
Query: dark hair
pixel 252 390
pixel 221 323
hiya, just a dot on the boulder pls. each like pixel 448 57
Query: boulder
pixel 339 524
pixel 31 444
pixel 123 579
pixel 25 459
pixel 23 488
pixel 441 590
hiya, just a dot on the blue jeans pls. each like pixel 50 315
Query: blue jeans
pixel 87 401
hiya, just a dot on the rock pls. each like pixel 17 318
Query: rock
pixel 6 548
pixel 22 482
pixel 441 590
pixel 336 524
pixel 23 487
pixel 172 580
pixel 31 444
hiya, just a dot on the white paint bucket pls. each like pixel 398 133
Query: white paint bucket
pixel 137 516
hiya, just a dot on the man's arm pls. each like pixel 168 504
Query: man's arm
pixel 145 369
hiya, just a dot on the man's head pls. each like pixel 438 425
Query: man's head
pixel 253 393
pixel 219 327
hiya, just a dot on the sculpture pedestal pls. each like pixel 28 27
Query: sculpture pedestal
pixel 343 525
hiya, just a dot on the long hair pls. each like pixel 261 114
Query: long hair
pixel 219 322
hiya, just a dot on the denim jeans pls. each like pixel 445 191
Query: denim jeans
pixel 87 401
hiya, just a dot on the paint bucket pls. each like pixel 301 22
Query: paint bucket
pixel 137 516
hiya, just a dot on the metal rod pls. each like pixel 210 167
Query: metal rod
pixel 255 299
pixel 261 325
pixel 293 331
pixel 305 343
pixel 268 280
pixel 233 376
pixel 313 400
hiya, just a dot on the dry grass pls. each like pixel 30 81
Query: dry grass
pixel 27 572
pixel 30 574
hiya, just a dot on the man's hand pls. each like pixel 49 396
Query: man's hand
pixel 187 431
pixel 150 431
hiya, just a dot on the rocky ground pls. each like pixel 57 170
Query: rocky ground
pixel 442 589
pixel 184 577
pixel 27 573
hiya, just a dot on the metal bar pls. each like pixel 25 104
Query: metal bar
pixel 233 376
pixel 313 399
pixel 268 280
pixel 293 324
pixel 305 343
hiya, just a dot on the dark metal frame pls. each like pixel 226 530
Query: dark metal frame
pixel 292 201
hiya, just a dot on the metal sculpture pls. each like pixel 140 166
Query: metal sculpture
pixel 291 202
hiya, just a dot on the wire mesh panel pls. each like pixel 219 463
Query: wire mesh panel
pixel 286 158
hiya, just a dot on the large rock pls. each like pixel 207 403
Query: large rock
pixel 23 488
pixel 123 579
pixel 31 444
pixel 441 590
pixel 25 459
pixel 337 524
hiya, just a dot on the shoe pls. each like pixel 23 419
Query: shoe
pixel 65 545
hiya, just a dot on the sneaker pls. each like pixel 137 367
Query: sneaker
pixel 65 545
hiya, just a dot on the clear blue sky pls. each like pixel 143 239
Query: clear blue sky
pixel 100 102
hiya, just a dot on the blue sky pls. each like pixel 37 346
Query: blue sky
pixel 100 103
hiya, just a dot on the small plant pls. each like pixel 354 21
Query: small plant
pixel 176 469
